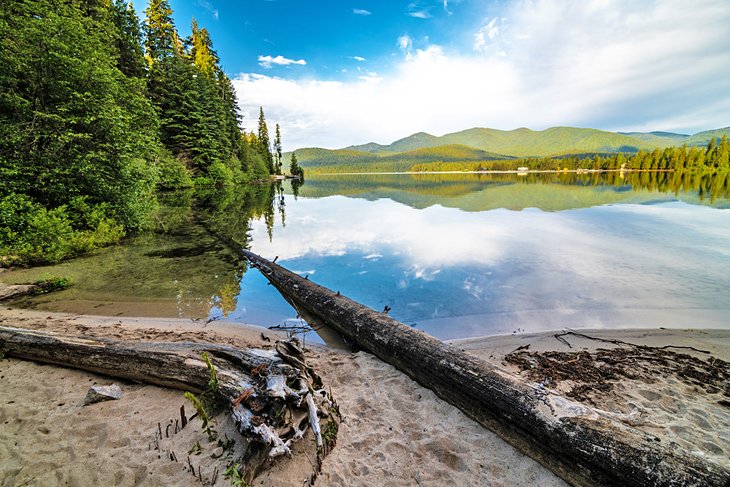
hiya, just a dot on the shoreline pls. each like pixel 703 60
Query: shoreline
pixel 394 431
pixel 514 171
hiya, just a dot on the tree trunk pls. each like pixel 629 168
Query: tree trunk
pixel 567 437
pixel 252 383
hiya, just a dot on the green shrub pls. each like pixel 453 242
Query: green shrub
pixel 52 283
pixel 220 174
pixel 32 234
pixel 173 171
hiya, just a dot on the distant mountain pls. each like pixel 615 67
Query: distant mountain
pixel 523 142
pixel 660 137
pixel 481 144
pixel 388 160
pixel 703 138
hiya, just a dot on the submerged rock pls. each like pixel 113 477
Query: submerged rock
pixel 102 393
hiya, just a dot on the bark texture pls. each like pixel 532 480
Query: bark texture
pixel 260 389
pixel 574 441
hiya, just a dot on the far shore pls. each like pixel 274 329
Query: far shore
pixel 530 171
pixel 394 431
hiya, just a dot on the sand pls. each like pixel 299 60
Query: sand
pixel 393 432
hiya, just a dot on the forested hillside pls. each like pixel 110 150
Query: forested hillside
pixel 484 149
pixel 715 157
pixel 99 110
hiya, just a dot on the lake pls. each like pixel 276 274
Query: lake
pixel 456 255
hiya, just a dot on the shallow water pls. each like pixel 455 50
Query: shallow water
pixel 456 255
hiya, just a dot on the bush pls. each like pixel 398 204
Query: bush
pixel 32 234
pixel 173 171
pixel 220 174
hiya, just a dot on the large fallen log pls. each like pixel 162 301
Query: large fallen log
pixel 261 390
pixel 576 442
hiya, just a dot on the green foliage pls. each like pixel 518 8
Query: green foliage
pixel 234 476
pixel 209 400
pixel 264 144
pixel 92 122
pixel 294 168
pixel 72 123
pixel 52 283
pixel 213 382
pixel 131 60
pixel 277 150
pixel 161 38
pixel 329 434
pixel 173 172
pixel 205 419
pixel 36 235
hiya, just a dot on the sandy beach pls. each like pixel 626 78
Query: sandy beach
pixel 393 431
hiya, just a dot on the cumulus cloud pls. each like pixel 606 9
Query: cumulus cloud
pixel 269 61
pixel 360 11
pixel 606 64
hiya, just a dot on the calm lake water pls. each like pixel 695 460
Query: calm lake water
pixel 455 255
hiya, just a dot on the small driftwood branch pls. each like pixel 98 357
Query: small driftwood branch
pixel 569 438
pixel 314 420
pixel 559 336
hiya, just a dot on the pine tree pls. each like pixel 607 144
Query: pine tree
pixel 76 130
pixel 161 39
pixel 294 168
pixel 201 51
pixel 277 148
pixel 264 143
pixel 129 39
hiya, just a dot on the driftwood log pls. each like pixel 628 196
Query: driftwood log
pixel 262 391
pixel 576 442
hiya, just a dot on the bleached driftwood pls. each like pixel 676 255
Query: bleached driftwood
pixel 567 437
pixel 252 383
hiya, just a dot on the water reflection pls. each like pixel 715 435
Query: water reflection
pixel 457 255
pixel 187 267
pixel 546 191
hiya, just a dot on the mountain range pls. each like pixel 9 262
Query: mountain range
pixel 482 144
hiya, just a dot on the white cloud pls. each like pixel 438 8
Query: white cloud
pixel 420 14
pixel 370 77
pixel 205 4
pixel 405 42
pixel 268 61
pixel 360 11
pixel 489 31
pixel 607 64
pixel 358 58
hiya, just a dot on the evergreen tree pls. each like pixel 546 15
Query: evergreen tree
pixel 129 39
pixel 201 51
pixel 161 39
pixel 264 143
pixel 294 168
pixel 277 148
pixel 76 134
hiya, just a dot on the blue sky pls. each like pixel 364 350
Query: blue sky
pixel 335 73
